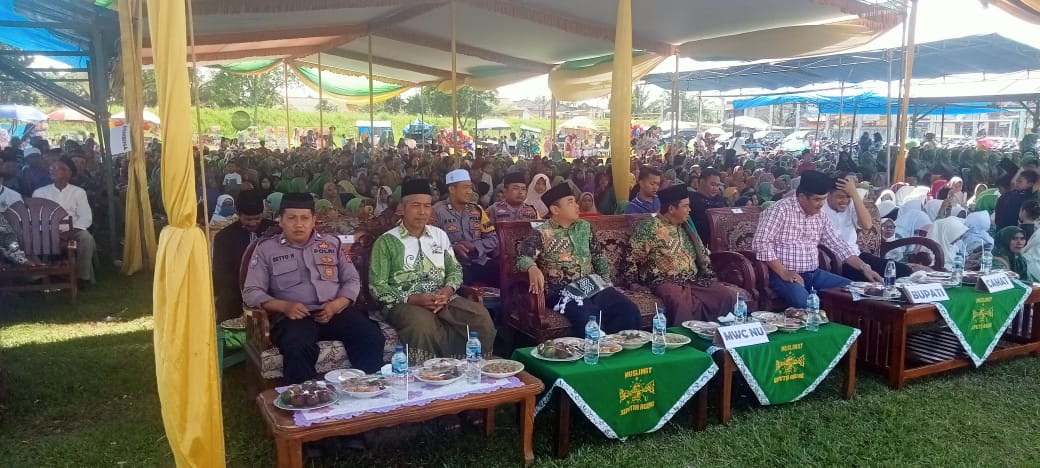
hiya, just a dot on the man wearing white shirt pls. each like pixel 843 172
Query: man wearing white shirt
pixel 846 221
pixel 739 144
pixel 74 200
pixel 8 196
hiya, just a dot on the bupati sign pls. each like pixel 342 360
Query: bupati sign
pixel 925 293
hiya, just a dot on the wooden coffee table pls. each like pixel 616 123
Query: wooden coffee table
pixel 289 437
pixel 892 346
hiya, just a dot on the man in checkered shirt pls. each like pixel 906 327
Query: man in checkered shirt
pixel 788 238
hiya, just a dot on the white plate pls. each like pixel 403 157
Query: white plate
pixel 686 340
pixel 440 383
pixel 278 402
pixel 632 343
pixel 702 329
pixel 536 355
pixel 441 361
pixel 764 316
pixel 603 353
pixel 338 376
pixel 502 375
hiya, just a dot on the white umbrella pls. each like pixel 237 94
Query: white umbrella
pixel 22 113
pixel 492 124
pixel 68 115
pixel 580 123
pixel 715 131
pixel 148 116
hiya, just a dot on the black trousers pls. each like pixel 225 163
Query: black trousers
pixel 481 275
pixel 619 312
pixel 298 342
pixel 877 264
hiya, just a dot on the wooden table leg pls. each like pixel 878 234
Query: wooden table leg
pixel 489 421
pixel 290 453
pixel 700 409
pixel 726 387
pixel 527 430
pixel 563 424
pixel 897 355
pixel 848 388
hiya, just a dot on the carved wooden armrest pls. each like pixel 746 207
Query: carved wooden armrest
pixel 734 268
pixel 258 328
pixel 470 293
pixel 939 258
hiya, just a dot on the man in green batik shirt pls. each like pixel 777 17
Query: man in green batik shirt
pixel 415 275
pixel 668 257
pixel 563 260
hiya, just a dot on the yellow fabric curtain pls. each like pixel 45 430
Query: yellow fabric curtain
pixel 185 337
pixel 621 98
pixel 792 41
pixel 595 81
pixel 139 244
pixel 1027 10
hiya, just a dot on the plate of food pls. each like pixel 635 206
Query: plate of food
pixel 340 376
pixel 367 386
pixel 237 323
pixel 306 396
pixel 559 350
pixel 787 325
pixel 632 339
pixel 440 375
pixel 501 368
pixel 441 362
pixel 764 316
pixel 796 313
pixel 675 340
pixel 609 347
pixel 702 329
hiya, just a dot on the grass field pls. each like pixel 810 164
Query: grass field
pixel 81 392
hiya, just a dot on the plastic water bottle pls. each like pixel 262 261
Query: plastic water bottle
pixel 399 374
pixel 987 259
pixel 890 274
pixel 740 310
pixel 812 312
pixel 592 336
pixel 958 264
pixel 657 346
pixel 473 359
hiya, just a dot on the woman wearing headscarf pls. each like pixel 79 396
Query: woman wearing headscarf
pixel 539 185
pixel 587 205
pixel 10 250
pixel 954 191
pixel 274 203
pixel 383 199
pixel 978 235
pixel 1007 251
pixel 948 233
pixel 298 185
pixel 911 223
pixel 224 209
pixel 932 208
pixel 889 234
pixel 937 185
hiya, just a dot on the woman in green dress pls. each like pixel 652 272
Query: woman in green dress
pixel 1007 251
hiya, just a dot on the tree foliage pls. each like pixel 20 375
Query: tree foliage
pixel 641 100
pixel 226 89
pixel 471 104
pixel 16 92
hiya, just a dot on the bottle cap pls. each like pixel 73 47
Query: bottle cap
pixel 472 334
pixel 592 317
pixel 399 348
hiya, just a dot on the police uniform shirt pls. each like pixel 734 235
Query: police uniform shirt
pixel 503 211
pixel 473 226
pixel 312 274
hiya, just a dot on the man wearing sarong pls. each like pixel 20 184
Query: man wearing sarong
pixel 669 258
pixel 415 274
pixel 563 259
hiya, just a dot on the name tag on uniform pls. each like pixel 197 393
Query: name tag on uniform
pixel 346 239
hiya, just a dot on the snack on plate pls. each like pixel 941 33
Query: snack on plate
pixel 307 394
pixel 368 384
pixel 501 366
pixel 554 349
pixel 439 373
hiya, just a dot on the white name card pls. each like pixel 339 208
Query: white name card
pixel 744 334
pixel 994 282
pixel 925 293
pixel 737 210
pixel 346 239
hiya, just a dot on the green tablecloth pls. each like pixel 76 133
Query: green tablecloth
pixel 790 365
pixel 632 392
pixel 979 319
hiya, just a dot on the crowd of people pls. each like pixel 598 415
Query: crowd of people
pixel 446 206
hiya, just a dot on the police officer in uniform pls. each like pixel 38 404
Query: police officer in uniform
pixel 469 229
pixel 305 282
pixel 513 207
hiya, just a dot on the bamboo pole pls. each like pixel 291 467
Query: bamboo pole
pixel 904 105
pixel 321 106
pixel 371 96
pixel 285 80
pixel 454 82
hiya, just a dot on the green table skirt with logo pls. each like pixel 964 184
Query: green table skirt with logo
pixel 790 365
pixel 979 319
pixel 631 392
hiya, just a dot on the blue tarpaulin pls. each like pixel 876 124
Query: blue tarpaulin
pixel 26 38
pixel 862 103
pixel 988 53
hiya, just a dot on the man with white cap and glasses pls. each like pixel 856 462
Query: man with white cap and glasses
pixel 470 230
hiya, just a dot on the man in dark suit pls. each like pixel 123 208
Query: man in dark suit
pixel 228 247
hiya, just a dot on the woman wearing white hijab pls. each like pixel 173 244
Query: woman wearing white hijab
pixel 383 199
pixel 885 207
pixel 886 195
pixel 902 194
pixel 932 208
pixel 956 193
pixel 948 232
pixel 910 222
pixel 224 209
pixel 978 235
pixel 534 196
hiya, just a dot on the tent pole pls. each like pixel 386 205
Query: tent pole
pixel 797 116
pixel 942 125
pixel 819 116
pixel 285 79
pixel 675 103
pixel 904 104
pixel 841 108
pixel 621 100
pixel 321 106
pixel 552 120
pixel 422 118
pixel 852 132
pixel 454 84
pixel 700 111
pixel 371 96
pixel 888 122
